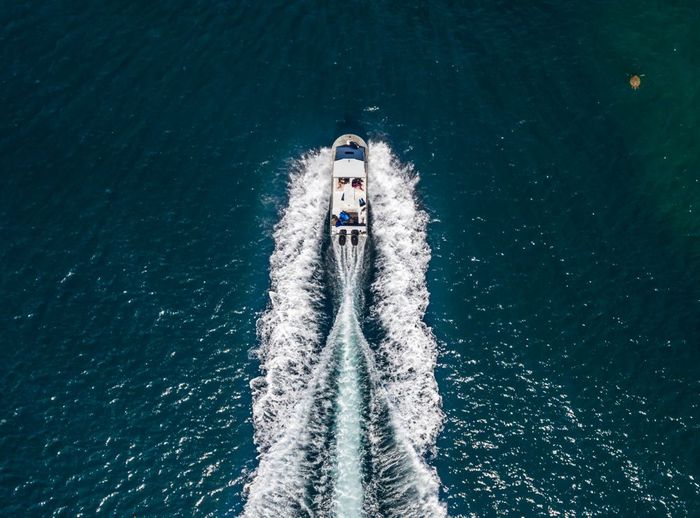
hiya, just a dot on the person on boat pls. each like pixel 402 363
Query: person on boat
pixel 357 183
pixel 343 218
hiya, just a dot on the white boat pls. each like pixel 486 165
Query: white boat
pixel 349 203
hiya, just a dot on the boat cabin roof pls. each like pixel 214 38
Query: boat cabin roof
pixel 351 150
pixel 348 168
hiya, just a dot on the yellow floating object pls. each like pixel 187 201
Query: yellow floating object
pixel 635 81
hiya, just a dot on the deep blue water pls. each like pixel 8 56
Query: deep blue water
pixel 144 158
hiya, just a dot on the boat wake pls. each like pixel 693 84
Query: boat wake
pixel 342 426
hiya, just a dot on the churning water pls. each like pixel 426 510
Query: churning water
pixel 343 426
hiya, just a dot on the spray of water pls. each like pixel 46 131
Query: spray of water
pixel 348 490
pixel 342 427
pixel 290 329
pixel 408 351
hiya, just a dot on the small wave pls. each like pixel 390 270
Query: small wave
pixel 301 453
pixel 317 428
pixel 291 401
pixel 401 484
pixel 409 348
pixel 348 480
pixel 289 330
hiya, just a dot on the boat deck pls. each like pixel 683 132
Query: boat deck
pixel 349 199
pixel 349 186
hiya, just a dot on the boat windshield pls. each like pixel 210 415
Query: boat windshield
pixel 350 151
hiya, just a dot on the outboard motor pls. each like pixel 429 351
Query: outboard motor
pixel 354 238
pixel 342 237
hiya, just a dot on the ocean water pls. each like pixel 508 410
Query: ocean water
pixel 520 336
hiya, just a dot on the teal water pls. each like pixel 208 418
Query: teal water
pixel 145 152
pixel 348 428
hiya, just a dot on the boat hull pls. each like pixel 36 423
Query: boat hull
pixel 349 207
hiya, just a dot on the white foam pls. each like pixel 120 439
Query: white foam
pixel 290 401
pixel 293 400
pixel 348 488
pixel 409 487
pixel 289 330
pixel 281 483
pixel 408 351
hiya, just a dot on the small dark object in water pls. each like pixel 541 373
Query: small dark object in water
pixel 635 81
